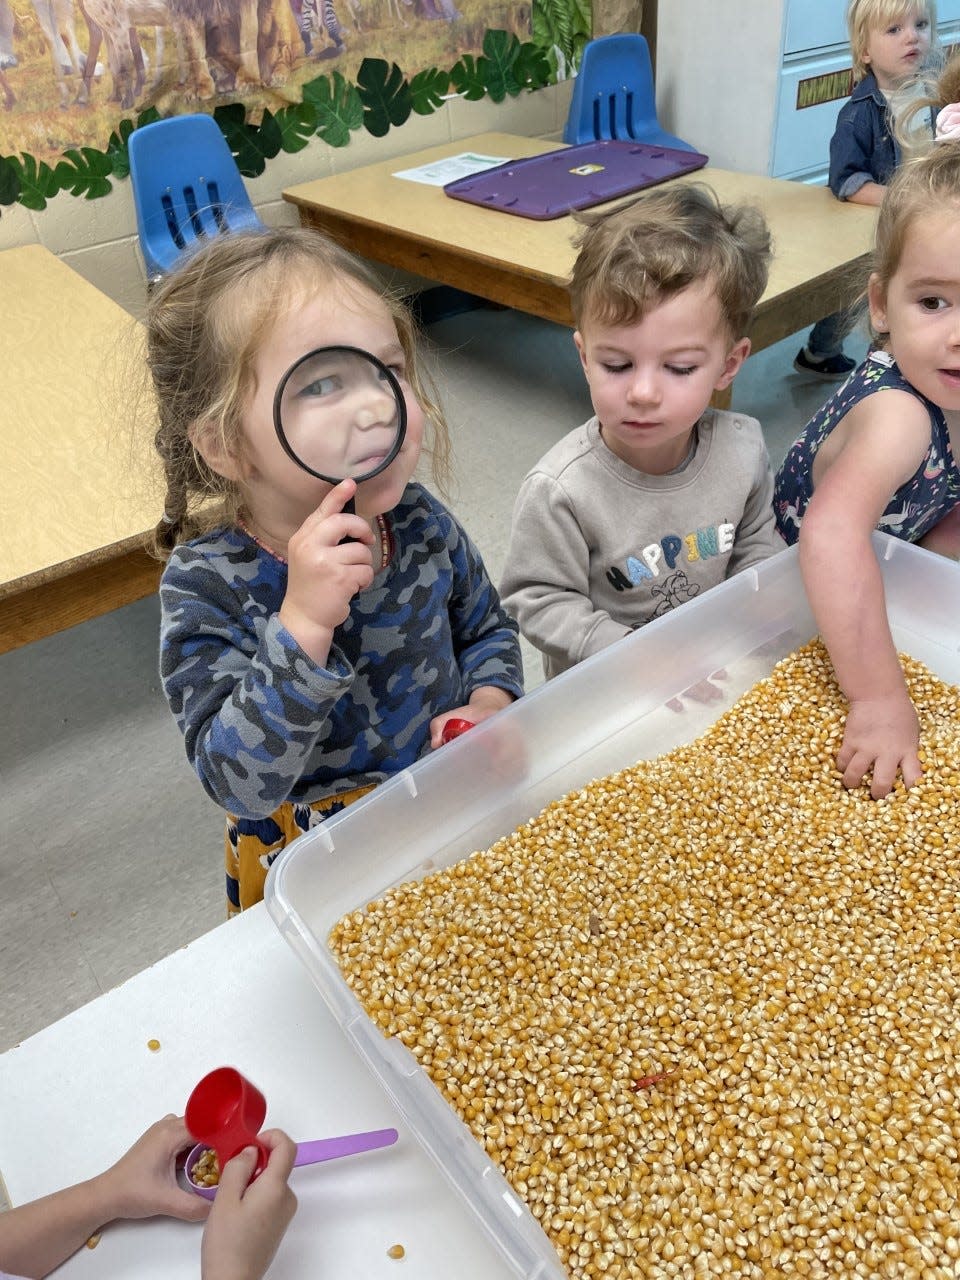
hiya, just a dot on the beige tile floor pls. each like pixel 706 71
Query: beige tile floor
pixel 110 853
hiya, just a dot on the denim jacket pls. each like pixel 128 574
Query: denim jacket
pixel 862 148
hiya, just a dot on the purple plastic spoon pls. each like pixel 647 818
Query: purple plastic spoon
pixel 350 1144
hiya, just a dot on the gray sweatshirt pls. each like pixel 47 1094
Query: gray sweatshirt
pixel 598 548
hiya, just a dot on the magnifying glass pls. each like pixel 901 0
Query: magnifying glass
pixel 340 414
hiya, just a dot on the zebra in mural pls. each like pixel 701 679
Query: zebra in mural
pixel 316 16
pixel 311 15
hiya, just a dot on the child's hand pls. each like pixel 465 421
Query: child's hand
pixel 35 1238
pixel 248 1219
pixel 144 1181
pixel 326 572
pixel 883 735
pixel 484 702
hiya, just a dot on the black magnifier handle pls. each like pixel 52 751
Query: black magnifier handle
pixel 349 509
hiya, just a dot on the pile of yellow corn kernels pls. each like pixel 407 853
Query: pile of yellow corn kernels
pixel 705 1012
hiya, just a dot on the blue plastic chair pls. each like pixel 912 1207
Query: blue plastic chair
pixel 186 186
pixel 613 97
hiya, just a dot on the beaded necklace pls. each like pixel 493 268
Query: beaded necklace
pixel 386 542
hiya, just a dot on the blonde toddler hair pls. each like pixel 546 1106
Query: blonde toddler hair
pixel 204 325
pixel 864 16
pixel 638 254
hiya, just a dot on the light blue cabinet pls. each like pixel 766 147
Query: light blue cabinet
pixel 757 84
pixel 814 24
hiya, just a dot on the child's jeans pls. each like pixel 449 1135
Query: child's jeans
pixel 827 335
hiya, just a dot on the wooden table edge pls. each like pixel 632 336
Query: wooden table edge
pixel 534 292
pixel 64 595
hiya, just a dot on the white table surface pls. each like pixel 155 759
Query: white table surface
pixel 75 1095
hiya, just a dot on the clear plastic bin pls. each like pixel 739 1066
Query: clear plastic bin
pixel 605 714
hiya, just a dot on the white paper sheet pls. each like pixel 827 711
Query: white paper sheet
pixel 440 172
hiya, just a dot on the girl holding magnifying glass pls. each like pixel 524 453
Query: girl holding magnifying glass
pixel 323 614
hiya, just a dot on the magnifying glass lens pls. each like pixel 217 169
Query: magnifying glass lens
pixel 339 413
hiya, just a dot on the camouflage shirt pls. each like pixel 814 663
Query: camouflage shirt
pixel 264 724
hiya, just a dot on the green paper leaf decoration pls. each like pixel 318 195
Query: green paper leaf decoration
pixel 84 172
pixel 257 146
pixel 243 139
pixel 337 106
pixel 500 49
pixel 466 77
pixel 427 89
pixel 331 107
pixel 117 149
pixel 385 95
pixel 297 125
pixel 37 183
pixel 233 115
pixel 10 189
pixel 532 67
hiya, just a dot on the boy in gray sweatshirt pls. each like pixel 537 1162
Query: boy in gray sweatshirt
pixel 658 496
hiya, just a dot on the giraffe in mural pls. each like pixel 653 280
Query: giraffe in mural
pixel 115 22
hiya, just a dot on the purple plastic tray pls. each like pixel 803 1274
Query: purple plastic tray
pixel 552 184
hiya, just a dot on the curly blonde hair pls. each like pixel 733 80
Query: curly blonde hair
pixel 639 253
pixel 205 322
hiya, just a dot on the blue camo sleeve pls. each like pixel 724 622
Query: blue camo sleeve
pixel 485 636
pixel 250 703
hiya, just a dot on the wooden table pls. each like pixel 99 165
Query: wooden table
pixel 820 244
pixel 79 487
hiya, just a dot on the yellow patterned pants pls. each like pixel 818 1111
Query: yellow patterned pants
pixel 252 844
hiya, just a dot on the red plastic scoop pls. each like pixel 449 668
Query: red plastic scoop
pixel 226 1112
pixel 454 727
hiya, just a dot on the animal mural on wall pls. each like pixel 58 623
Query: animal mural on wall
pixel 70 70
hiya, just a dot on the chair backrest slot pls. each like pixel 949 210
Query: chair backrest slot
pixel 186 186
pixel 166 203
pixel 216 206
pixel 190 200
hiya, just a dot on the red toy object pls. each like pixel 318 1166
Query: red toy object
pixel 453 729
pixel 226 1112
